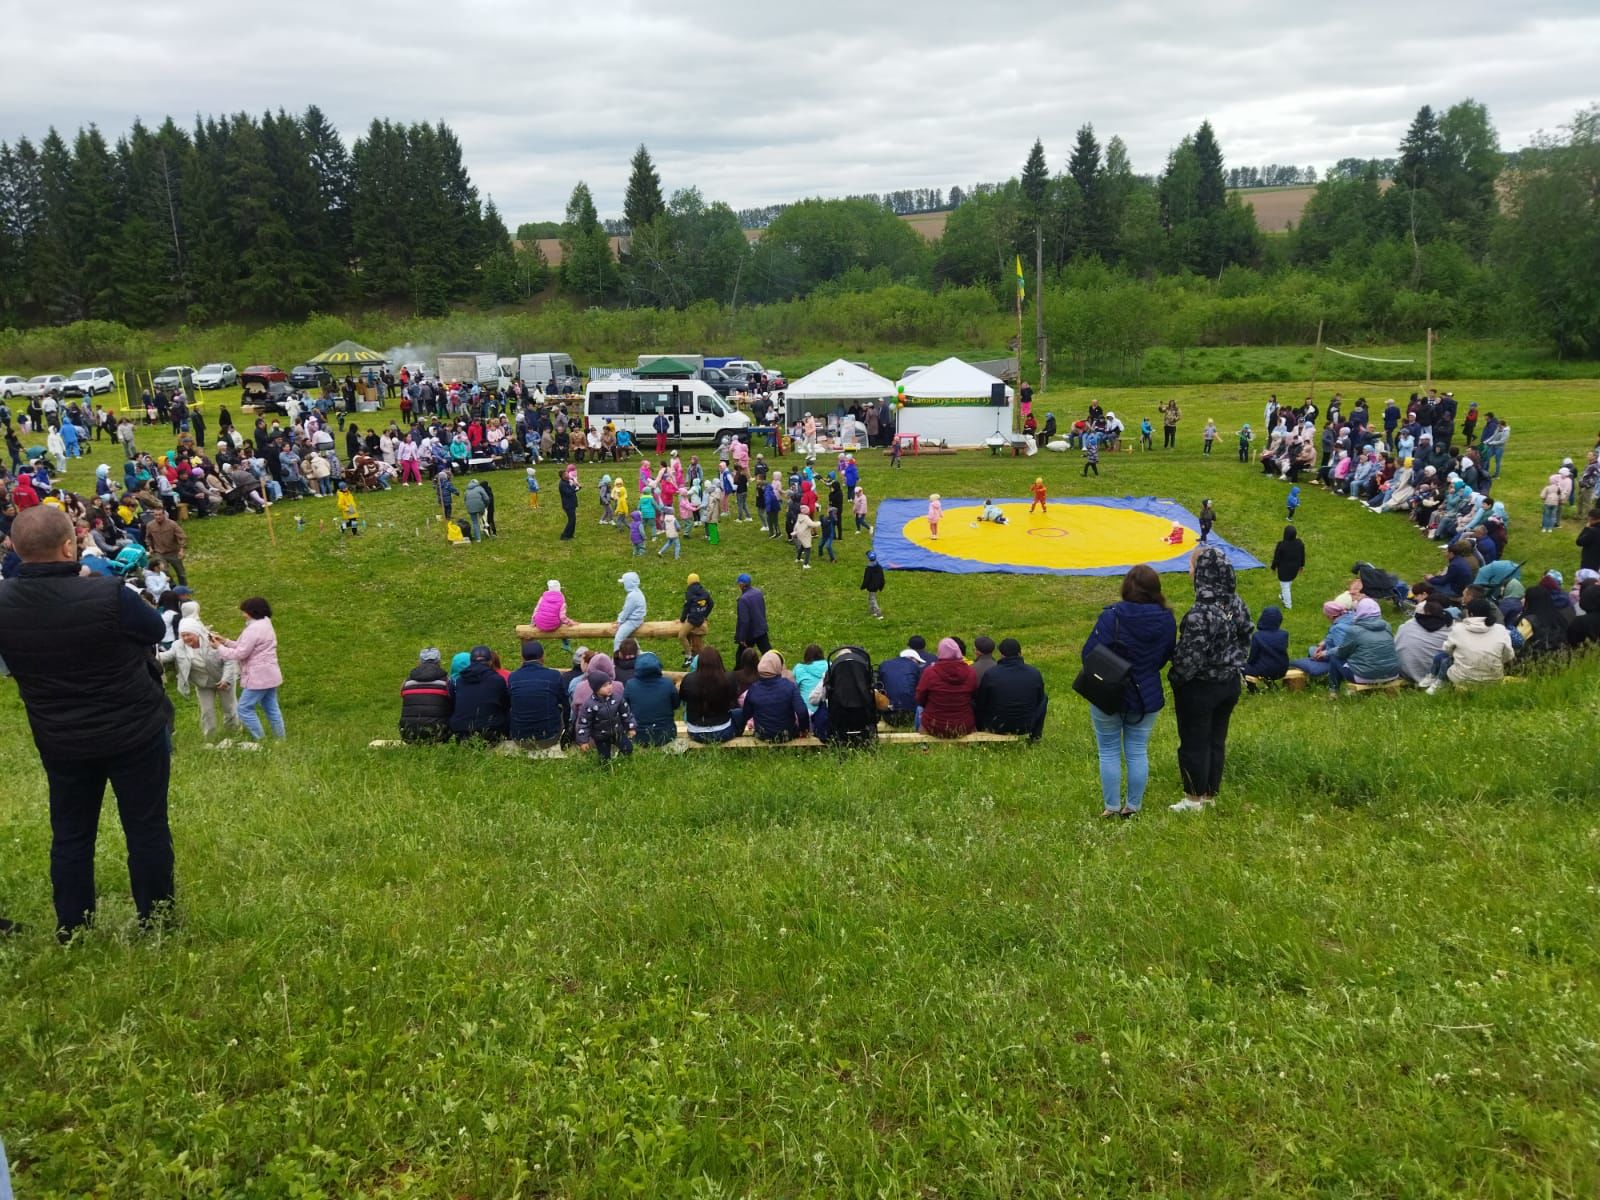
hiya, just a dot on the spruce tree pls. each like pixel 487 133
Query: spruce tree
pixel 642 203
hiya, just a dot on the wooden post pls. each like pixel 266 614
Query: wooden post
pixel 1429 382
pixel 1316 360
pixel 271 532
pixel 1038 306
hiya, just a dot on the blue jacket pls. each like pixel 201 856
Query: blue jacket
pixel 478 703
pixel 632 602
pixel 776 706
pixel 1457 575
pixel 652 697
pixel 1144 634
pixel 899 676
pixel 538 700
pixel 1269 647
pixel 752 617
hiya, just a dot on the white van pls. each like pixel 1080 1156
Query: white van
pixel 697 413
pixel 542 368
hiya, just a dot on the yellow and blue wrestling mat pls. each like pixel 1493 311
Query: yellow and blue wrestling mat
pixel 1079 535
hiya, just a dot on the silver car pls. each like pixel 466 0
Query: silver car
pixel 216 375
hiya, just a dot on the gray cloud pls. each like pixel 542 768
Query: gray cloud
pixel 755 104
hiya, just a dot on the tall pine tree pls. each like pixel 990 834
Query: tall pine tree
pixel 642 202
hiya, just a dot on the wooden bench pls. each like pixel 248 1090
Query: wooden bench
pixel 892 737
pixel 584 630
pixel 1296 680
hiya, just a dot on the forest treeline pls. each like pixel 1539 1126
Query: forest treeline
pixel 243 218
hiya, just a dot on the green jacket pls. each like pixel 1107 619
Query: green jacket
pixel 1368 648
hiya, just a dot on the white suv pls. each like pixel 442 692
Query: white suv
pixel 91 381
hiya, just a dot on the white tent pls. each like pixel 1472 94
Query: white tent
pixel 953 402
pixel 839 382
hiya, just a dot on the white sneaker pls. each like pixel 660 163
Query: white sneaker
pixel 1186 805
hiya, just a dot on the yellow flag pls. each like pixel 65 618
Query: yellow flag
pixel 1021 290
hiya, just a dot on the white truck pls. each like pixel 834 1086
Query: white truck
pixel 470 366
pixel 542 368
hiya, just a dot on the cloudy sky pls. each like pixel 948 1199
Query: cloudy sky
pixel 758 103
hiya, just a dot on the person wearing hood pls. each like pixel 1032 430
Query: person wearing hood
pixel 477 501
pixel 945 693
pixel 1213 643
pixel 479 702
pixel 1269 647
pixel 632 613
pixel 200 667
pixel 697 606
pixel 1140 627
pixel 580 687
pixel 425 700
pixel 1585 628
pixel 653 698
pixel 1418 641
pixel 1546 613
pixel 537 699
pixel 550 613
pixel 1478 646
pixel 774 704
pixel 1367 653
pixel 750 626
pixel 1288 560
pixel 608 507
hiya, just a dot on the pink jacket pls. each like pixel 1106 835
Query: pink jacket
pixel 935 512
pixel 256 652
pixel 551 612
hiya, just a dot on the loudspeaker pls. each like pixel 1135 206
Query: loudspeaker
pixel 997 395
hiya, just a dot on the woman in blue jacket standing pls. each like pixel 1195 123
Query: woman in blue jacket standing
pixel 1142 629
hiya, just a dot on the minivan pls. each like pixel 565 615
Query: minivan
pixel 697 413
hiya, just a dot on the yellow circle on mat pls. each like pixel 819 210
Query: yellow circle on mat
pixel 1069 536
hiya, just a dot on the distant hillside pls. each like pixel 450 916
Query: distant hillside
pixel 1275 208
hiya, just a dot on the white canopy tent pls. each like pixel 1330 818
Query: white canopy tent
pixel 953 401
pixel 839 382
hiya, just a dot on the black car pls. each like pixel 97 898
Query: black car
pixel 265 397
pixel 308 376
pixel 720 381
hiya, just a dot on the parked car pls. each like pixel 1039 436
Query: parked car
pixel 11 385
pixel 41 385
pixel 719 381
pixel 266 372
pixel 308 376
pixel 216 375
pixel 748 365
pixel 170 378
pixel 91 381
pixel 265 395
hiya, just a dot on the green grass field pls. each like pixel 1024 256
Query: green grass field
pixel 1371 971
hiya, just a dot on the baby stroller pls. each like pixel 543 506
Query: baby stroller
pixel 1382 585
pixel 851 699
pixel 1502 585
pixel 129 558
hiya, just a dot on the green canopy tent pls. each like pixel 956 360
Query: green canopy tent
pixel 665 368
pixel 348 354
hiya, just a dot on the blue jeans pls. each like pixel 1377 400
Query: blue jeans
pixel 1493 454
pixel 1314 668
pixel 1117 737
pixel 477 525
pixel 267 700
pixel 1552 516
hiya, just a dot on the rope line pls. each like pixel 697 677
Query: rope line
pixel 1367 357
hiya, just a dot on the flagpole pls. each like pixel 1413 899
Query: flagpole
pixel 1019 319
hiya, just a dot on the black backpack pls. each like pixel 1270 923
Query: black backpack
pixel 852 702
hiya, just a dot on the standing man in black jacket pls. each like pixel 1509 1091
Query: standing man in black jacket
pixel 1011 696
pixel 82 651
pixel 569 505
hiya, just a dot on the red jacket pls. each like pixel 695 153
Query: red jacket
pixel 945 693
